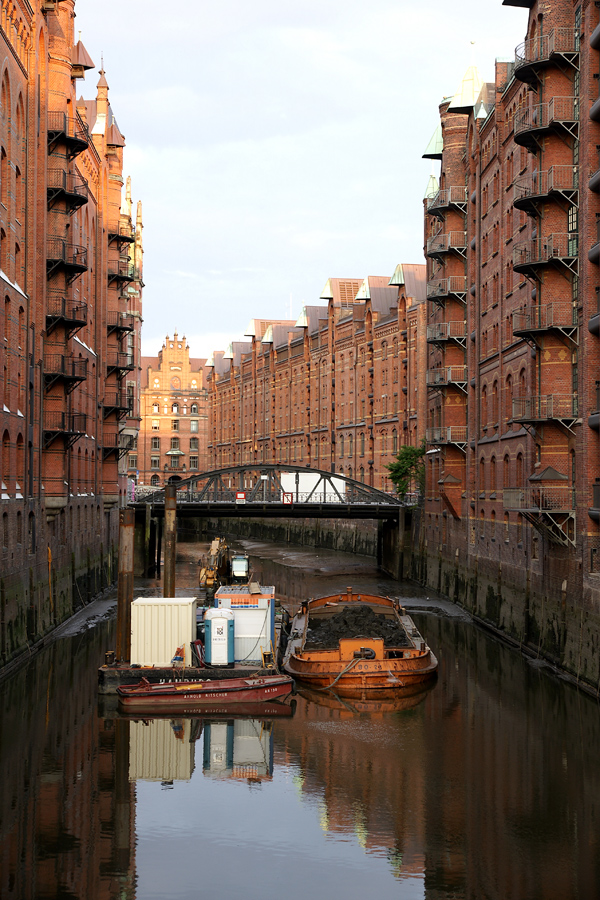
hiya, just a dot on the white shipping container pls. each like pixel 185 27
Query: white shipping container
pixel 160 750
pixel 159 625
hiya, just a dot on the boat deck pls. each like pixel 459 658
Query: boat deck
pixel 112 677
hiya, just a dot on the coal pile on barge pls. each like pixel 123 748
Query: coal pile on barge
pixel 350 622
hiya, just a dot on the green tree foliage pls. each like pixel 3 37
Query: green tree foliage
pixel 408 470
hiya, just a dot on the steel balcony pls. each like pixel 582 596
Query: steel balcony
pixel 71 371
pixel 119 322
pixel 69 426
pixel 545 408
pixel 559 46
pixel 537 187
pixel 449 198
pixel 541 319
pixel 440 289
pixel 72 314
pixel 121 271
pixel 447 376
pixel 447 242
pixel 560 114
pixel 60 254
pixel 67 130
pixel 554 249
pixel 441 332
pixel 68 187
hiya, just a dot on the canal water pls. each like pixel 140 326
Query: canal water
pixel 485 786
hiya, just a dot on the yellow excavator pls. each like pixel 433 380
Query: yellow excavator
pixel 222 567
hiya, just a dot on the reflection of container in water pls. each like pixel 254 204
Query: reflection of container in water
pixel 219 637
pixel 238 749
pixel 161 750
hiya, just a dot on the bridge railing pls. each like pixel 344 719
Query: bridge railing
pixel 149 494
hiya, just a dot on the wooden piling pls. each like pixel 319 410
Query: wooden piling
pixel 125 584
pixel 170 539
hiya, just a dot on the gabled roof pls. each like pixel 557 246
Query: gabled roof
pixel 341 290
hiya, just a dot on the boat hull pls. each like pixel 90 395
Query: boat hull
pixel 368 677
pixel 203 696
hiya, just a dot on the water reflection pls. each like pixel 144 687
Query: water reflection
pixel 486 784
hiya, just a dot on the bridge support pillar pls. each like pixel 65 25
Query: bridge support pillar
pixel 390 546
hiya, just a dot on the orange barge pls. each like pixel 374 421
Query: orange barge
pixel 381 650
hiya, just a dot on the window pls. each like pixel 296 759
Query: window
pixel 155 425
pixel 193 425
pixel 155 408
pixel 174 424
pixel 155 480
pixel 155 462
pixel 132 462
pixel 175 408
pixel 193 462
pixel 193 443
pixel 174 462
pixel 174 443
pixel 194 409
pixel 155 443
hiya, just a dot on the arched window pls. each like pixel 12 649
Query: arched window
pixel 350 445
pixel 484 409
pixel 194 409
pixel 493 474
pixel 506 472
pixel 519 470
pixel 154 480
pixel 175 408
pixel 482 474
pixel 155 408
pixel 341 446
pixel 362 443
pixel 394 441
pixel 362 474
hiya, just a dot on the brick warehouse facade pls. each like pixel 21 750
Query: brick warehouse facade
pixel 512 513
pixel 331 390
pixel 173 438
pixel 71 274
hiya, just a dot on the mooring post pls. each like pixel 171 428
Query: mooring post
pixel 159 531
pixel 125 584
pixel 148 517
pixel 170 539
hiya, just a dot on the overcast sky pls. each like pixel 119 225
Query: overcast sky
pixel 277 143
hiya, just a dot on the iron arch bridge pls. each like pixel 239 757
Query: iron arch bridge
pixel 284 491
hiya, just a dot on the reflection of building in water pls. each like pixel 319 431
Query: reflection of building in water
pixel 366 776
pixel 163 749
pixel 240 749
pixel 66 811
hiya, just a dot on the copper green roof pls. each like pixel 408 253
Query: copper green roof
pixel 435 145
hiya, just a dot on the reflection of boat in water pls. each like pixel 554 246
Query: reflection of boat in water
pixel 357 645
pixel 256 710
pixel 400 700
pixel 197 696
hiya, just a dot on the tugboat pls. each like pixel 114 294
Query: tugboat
pixel 358 645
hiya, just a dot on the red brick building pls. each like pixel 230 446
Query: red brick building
pixel 71 275
pixel 512 514
pixel 172 442
pixel 331 390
